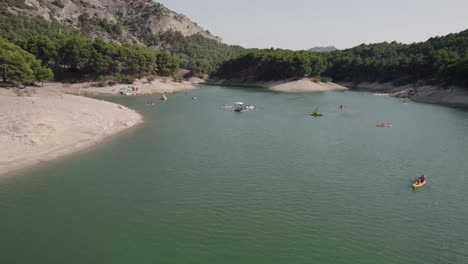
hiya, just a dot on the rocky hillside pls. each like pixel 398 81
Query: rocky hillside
pixel 126 21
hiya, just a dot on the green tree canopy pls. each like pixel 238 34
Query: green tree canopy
pixel 21 66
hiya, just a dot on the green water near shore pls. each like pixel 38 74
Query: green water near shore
pixel 199 184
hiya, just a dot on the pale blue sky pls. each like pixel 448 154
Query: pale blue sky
pixel 302 24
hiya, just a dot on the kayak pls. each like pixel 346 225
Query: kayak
pixel 315 114
pixel 383 125
pixel 417 185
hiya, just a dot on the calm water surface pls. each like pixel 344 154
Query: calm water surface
pixel 199 184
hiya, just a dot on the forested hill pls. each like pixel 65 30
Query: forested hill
pixel 439 60
pixel 71 55
pixel 135 22
pixel 99 46
pixel 79 39
pixel 123 21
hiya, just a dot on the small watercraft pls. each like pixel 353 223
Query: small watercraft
pixel 316 112
pixel 163 97
pixel 383 125
pixel 240 107
pixel 420 181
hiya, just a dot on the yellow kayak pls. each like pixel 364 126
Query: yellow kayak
pixel 419 184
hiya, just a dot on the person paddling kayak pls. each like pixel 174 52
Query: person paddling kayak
pixel 421 178
pixel 316 112
pixel 420 181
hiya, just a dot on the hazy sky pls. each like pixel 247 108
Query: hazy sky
pixel 302 24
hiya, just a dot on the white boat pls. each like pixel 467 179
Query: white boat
pixel 241 107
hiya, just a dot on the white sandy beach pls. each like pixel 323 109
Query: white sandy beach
pixel 52 124
pixel 304 85
pixel 161 84
pixel 297 86
pixel 449 96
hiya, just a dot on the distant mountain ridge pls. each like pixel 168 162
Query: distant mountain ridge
pixel 123 21
pixel 322 49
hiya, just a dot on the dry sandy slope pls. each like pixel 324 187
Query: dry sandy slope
pixel 450 96
pixel 50 124
pixel 304 85
pixel 158 85
pixel 297 86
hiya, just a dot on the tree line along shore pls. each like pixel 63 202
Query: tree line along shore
pixel 33 50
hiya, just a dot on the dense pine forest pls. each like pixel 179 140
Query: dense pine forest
pixel 441 60
pixel 195 53
pixel 33 50
pixel 274 64
pixel 73 56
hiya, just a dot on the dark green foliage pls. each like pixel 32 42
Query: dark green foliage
pixel 456 73
pixel 15 3
pixel 17 28
pixel 325 79
pixel 58 3
pixel 125 79
pixel 196 53
pixel 440 59
pixel 266 65
pixel 43 48
pixel 114 29
pixel 156 10
pixel 21 66
pixel 150 78
pixel 94 24
pixel 73 56
pixel 168 64
pixel 102 82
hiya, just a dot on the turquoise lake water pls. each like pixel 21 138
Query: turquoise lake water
pixel 199 184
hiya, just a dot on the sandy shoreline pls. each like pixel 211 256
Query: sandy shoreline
pixel 297 86
pixel 448 96
pixel 159 85
pixel 51 124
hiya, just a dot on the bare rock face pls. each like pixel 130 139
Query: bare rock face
pixel 115 20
